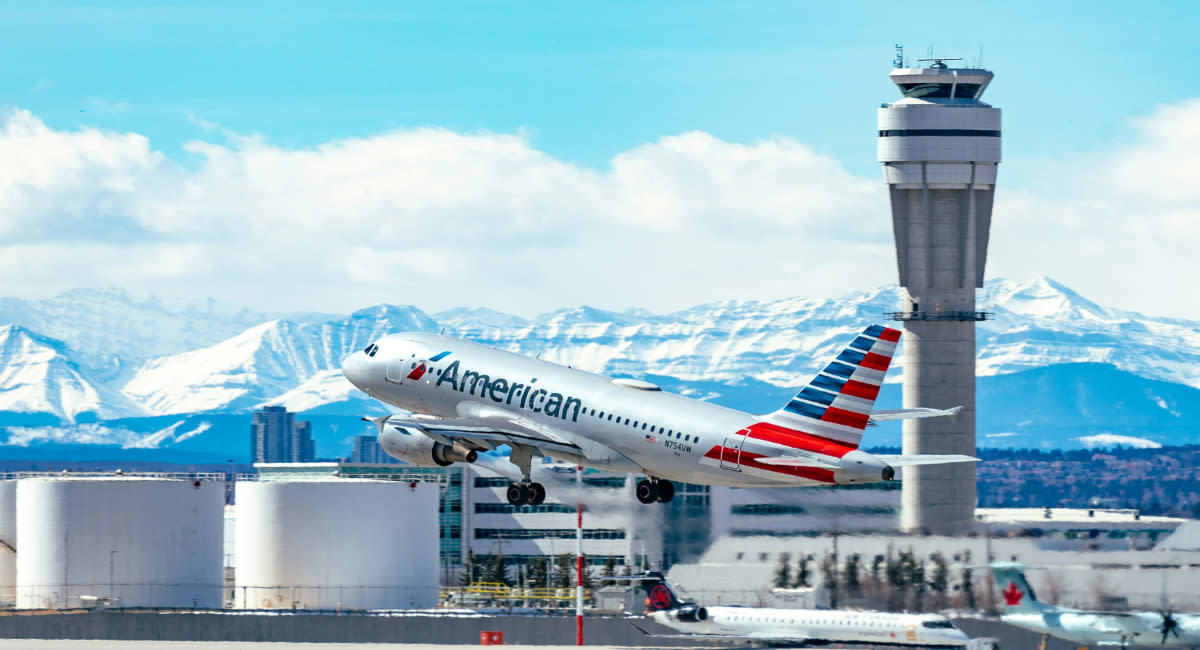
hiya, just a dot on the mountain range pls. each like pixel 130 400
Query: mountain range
pixel 101 368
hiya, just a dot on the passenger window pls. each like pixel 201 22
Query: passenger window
pixel 651 429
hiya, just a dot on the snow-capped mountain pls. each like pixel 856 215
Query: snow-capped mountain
pixel 38 377
pixel 263 363
pixel 112 333
pixel 1046 347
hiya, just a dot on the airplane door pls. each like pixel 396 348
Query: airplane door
pixel 731 451
pixel 397 368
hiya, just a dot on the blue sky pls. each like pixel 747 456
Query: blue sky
pixel 577 84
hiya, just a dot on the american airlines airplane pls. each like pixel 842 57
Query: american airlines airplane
pixel 466 398
pixel 1122 629
pixel 795 626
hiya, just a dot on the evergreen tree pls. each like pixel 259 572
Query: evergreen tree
pixel 877 570
pixel 470 570
pixel 539 571
pixel 803 571
pixel 562 571
pixel 939 578
pixel 783 573
pixel 497 570
pixel 850 574
pixel 829 578
pixel 610 569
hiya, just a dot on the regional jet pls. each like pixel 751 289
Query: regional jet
pixel 465 398
pixel 1122 629
pixel 795 626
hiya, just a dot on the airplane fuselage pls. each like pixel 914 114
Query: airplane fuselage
pixel 618 425
pixel 1088 628
pixel 830 626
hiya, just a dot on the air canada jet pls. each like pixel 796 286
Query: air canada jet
pixel 795 626
pixel 1092 628
pixel 466 398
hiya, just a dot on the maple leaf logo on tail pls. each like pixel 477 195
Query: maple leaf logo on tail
pixel 1012 595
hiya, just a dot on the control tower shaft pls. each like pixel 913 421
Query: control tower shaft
pixel 940 146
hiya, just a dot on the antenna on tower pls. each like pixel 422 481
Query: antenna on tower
pixel 898 62
pixel 939 61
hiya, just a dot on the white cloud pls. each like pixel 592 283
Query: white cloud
pixel 1121 227
pixel 98 434
pixel 440 219
pixel 1115 440
pixel 434 218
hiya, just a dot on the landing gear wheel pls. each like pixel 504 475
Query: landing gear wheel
pixel 665 489
pixel 537 494
pixel 646 492
pixel 518 494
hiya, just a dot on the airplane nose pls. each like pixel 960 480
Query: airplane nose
pixel 353 367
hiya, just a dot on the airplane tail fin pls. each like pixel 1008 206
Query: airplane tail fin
pixel 837 403
pixel 1014 588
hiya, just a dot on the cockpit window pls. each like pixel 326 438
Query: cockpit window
pixel 938 624
pixel 371 349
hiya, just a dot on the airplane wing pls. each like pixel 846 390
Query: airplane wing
pixel 484 430
pixel 924 459
pixel 885 415
pixel 762 638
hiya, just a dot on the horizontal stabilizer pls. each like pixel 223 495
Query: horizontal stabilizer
pixel 885 415
pixel 925 459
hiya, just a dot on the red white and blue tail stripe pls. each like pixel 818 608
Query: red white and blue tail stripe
pixel 837 404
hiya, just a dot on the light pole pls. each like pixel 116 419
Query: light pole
pixel 579 557
pixel 112 561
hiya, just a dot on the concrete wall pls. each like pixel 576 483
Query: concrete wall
pixel 316 628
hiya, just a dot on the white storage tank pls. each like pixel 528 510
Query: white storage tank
pixel 336 544
pixel 8 542
pixel 134 541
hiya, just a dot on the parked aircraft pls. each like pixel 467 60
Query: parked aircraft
pixel 466 398
pixel 795 626
pixel 1145 628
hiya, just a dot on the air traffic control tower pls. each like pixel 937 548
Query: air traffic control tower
pixel 940 146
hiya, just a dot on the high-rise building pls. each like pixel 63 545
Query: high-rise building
pixel 366 449
pixel 940 147
pixel 276 437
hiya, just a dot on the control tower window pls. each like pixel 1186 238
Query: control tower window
pixel 967 91
pixel 941 91
pixel 932 91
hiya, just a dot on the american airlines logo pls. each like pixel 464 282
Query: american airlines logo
pixel 503 391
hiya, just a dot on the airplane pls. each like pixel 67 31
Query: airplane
pixel 1023 609
pixel 466 398
pixel 793 626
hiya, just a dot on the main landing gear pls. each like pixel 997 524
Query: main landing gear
pixel 657 489
pixel 526 492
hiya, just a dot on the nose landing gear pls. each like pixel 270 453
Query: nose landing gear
pixel 651 490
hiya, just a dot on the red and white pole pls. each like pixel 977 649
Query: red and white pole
pixel 579 558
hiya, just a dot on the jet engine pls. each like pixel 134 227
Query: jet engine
pixel 690 614
pixel 415 446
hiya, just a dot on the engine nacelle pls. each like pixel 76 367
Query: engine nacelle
pixel 415 446
pixel 861 467
pixel 691 614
